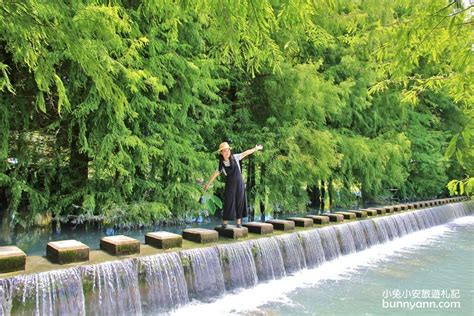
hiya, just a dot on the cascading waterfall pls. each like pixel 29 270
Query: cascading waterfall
pixel 238 265
pixel 160 283
pixel 293 253
pixel 358 235
pixel 268 259
pixel 345 239
pixel 114 288
pixel 165 285
pixel 6 296
pixel 313 248
pixel 51 293
pixel 203 273
pixel 370 232
pixel 331 246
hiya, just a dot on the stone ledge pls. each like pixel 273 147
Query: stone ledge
pixel 281 224
pixel 389 209
pixel 259 228
pixel 12 259
pixel 369 211
pixel 232 231
pixel 380 210
pixel 163 240
pixel 301 221
pixel 201 235
pixel 67 251
pixel 120 245
pixel 334 217
pixel 397 208
pixel 359 213
pixel 347 215
pixel 319 219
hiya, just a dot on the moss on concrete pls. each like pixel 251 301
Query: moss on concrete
pixel 12 264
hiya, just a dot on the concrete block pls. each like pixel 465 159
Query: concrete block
pixel 319 219
pixel 201 235
pixel 67 251
pixel 163 240
pixel 12 259
pixel 232 231
pixel 259 228
pixel 301 221
pixel 281 224
pixel 120 245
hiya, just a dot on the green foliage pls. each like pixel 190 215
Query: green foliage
pixel 113 109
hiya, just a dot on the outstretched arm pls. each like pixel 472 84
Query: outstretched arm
pixel 211 179
pixel 250 151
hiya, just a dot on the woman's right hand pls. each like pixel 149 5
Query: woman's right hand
pixel 205 187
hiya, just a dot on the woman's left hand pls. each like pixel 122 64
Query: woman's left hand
pixel 258 147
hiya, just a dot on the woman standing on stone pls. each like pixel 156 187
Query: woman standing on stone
pixel 235 205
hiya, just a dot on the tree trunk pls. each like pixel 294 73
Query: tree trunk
pixel 331 193
pixel 314 196
pixel 323 195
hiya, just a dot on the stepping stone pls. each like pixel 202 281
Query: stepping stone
pixel 259 228
pixel 201 235
pixel 397 208
pixel 388 209
pixel 370 211
pixel 403 207
pixel 281 224
pixel 232 231
pixel 319 219
pixel 334 217
pixel 12 259
pixel 380 210
pixel 164 240
pixel 67 251
pixel 120 245
pixel 301 221
pixel 360 213
pixel 347 215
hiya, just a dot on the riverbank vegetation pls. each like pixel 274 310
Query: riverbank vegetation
pixel 113 110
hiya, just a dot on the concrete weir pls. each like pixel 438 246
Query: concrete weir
pixel 157 280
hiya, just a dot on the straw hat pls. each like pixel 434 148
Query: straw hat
pixel 223 146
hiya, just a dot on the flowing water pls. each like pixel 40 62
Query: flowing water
pixel 433 267
pixel 341 269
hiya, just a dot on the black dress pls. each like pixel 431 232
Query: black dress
pixel 235 203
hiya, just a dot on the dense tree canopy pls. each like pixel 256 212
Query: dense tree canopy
pixel 112 110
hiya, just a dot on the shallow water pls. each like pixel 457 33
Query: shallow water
pixel 403 276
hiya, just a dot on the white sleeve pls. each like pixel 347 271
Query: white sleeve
pixel 238 157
